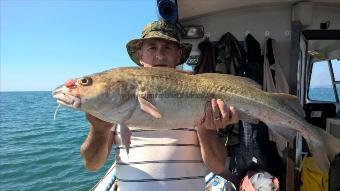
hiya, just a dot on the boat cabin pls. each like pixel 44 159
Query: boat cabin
pixel 305 40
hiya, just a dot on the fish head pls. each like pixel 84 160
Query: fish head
pixel 101 95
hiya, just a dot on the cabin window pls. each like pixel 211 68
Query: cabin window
pixel 324 82
pixel 336 70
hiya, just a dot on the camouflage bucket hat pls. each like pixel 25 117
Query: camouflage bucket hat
pixel 158 29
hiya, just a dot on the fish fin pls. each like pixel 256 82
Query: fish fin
pixel 147 107
pixel 325 149
pixel 292 101
pixel 323 146
pixel 288 134
pixel 125 136
pixel 318 152
pixel 280 141
pixel 245 117
pixel 322 152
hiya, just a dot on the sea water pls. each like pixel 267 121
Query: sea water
pixel 38 153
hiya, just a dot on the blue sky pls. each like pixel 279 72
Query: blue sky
pixel 46 42
pixel 321 76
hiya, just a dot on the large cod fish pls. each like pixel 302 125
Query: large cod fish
pixel 164 98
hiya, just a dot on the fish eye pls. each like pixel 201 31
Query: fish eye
pixel 86 81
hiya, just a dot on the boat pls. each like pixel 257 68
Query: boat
pixel 307 38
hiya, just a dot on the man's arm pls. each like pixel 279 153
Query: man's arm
pixel 214 153
pixel 98 144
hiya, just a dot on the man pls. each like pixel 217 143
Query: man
pixel 168 159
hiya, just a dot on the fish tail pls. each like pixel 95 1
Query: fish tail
pixel 125 135
pixel 324 148
pixel 333 145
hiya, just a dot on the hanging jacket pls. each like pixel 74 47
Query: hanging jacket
pixel 274 79
pixel 254 148
pixel 231 56
pixel 206 63
pixel 254 68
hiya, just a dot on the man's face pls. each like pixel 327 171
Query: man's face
pixel 159 53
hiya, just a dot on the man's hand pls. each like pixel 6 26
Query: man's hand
pixel 97 145
pixel 218 115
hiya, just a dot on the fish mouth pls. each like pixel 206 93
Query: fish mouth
pixel 64 98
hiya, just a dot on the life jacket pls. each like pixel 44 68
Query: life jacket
pixel 312 178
